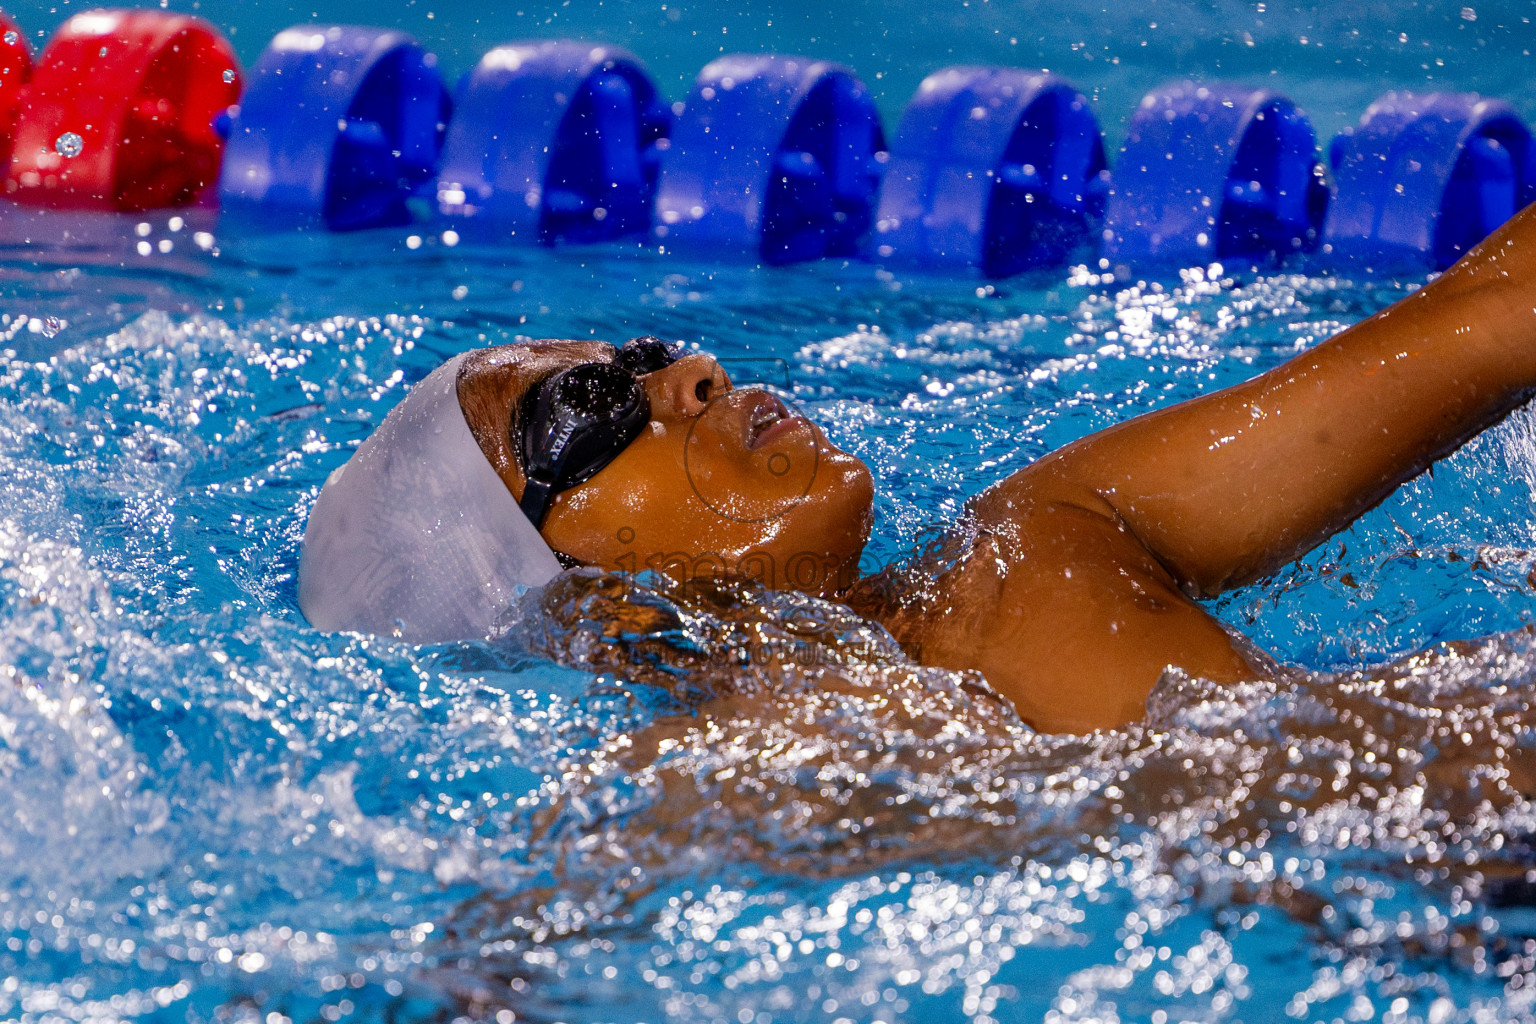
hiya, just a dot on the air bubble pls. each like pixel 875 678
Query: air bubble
pixel 69 145
pixel 52 325
pixel 12 37
pixel 229 74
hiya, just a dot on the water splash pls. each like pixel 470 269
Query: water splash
pixel 654 802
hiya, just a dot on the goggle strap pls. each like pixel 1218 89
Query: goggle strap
pixel 546 471
pixel 535 504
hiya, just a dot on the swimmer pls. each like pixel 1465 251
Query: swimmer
pixel 1078 582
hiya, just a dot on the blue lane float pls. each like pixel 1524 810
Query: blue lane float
pixel 782 159
pixel 781 155
pixel 1214 171
pixel 555 141
pixel 1422 179
pixel 993 168
pixel 339 123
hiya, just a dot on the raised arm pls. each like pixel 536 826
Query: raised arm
pixel 1231 486
pixel 1078 595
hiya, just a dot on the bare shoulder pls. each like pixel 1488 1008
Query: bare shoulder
pixel 1067 615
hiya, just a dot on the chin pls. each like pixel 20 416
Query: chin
pixel 855 486
pixel 839 517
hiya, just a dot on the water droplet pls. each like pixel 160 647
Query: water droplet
pixel 12 37
pixel 229 74
pixel 69 145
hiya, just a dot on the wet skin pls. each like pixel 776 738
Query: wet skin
pixel 1080 591
pixel 720 480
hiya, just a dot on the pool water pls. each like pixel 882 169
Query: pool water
pixel 216 813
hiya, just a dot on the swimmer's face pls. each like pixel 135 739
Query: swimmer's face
pixel 720 481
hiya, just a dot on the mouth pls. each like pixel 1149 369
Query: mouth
pixel 767 419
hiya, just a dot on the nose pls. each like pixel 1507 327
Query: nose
pixel 687 386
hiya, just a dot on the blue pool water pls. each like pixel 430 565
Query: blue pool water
pixel 214 813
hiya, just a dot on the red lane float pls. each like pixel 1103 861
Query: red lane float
pixel 15 72
pixel 119 114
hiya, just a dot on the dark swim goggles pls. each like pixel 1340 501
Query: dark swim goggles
pixel 575 422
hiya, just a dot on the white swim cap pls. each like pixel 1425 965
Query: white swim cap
pixel 416 536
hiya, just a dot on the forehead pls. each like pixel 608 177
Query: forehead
pixel 534 357
pixel 505 372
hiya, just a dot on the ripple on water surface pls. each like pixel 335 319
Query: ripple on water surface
pixel 620 809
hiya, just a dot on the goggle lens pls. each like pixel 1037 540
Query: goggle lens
pixel 646 354
pixel 579 420
pixel 595 391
